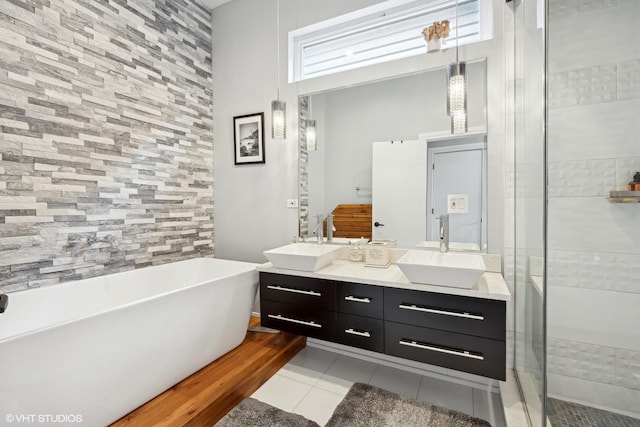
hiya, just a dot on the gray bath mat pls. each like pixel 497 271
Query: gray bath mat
pixel 252 412
pixel 368 406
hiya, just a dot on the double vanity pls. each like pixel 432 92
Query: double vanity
pixel 314 290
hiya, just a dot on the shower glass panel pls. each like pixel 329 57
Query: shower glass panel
pixel 593 239
pixel 529 198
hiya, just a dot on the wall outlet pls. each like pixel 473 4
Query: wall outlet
pixel 292 203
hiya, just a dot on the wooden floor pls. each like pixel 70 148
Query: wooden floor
pixel 206 396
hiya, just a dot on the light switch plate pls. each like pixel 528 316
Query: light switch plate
pixel 457 203
pixel 292 203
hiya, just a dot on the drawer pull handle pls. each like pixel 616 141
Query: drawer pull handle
pixel 357 299
pixel 461 353
pixel 414 307
pixel 300 322
pixel 358 333
pixel 296 291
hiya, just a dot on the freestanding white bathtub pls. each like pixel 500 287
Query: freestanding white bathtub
pixel 95 349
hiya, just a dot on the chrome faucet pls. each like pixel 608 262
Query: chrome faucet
pixel 330 228
pixel 444 232
pixel 318 229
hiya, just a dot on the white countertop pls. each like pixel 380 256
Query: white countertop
pixel 490 285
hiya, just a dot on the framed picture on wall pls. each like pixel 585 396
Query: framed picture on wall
pixel 248 136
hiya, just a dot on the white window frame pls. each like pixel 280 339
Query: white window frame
pixel 363 18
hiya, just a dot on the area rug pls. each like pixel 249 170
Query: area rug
pixel 253 413
pixel 369 406
pixel 363 406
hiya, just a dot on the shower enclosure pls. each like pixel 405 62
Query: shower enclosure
pixel 576 245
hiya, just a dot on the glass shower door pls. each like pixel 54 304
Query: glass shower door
pixel 529 204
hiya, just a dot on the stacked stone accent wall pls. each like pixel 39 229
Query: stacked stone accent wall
pixel 106 150
pixel 303 166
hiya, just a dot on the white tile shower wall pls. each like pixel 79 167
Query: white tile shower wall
pixel 593 144
pixel 105 128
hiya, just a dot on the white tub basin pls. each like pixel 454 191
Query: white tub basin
pixel 460 270
pixel 302 256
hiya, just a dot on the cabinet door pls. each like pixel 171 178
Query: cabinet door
pixel 305 291
pixel 361 300
pixel 476 355
pixel 473 316
pixel 299 320
pixel 362 332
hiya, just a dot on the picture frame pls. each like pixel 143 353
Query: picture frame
pixel 248 139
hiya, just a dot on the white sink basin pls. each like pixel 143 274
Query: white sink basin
pixel 453 246
pixel 302 256
pixel 459 270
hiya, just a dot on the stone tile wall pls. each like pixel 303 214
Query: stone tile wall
pixel 105 134
pixel 303 166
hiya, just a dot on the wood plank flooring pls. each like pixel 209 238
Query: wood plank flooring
pixel 206 396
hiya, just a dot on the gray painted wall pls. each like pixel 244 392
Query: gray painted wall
pixel 105 129
pixel 244 48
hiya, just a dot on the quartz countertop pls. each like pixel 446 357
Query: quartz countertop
pixel 489 286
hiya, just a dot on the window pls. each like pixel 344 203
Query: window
pixel 388 31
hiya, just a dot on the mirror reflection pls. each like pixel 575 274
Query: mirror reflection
pixel 384 154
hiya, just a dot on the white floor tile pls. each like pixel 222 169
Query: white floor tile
pixel 400 382
pixel 308 365
pixel 344 372
pixel 487 406
pixel 446 394
pixel 282 392
pixel 318 405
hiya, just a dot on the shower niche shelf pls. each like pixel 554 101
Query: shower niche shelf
pixel 624 196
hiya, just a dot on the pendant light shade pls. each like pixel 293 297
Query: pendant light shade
pixel 278 107
pixel 457 87
pixel 311 135
pixel 457 91
pixel 278 119
pixel 457 97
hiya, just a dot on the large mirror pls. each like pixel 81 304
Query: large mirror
pixel 385 154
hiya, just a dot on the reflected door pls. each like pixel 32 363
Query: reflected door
pixel 456 182
pixel 399 186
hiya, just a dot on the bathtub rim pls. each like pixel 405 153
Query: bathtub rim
pixel 20 335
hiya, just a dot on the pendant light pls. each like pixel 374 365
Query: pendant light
pixel 311 135
pixel 457 91
pixel 310 130
pixel 278 107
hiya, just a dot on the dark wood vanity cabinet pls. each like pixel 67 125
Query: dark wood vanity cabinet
pixel 301 305
pixel 457 332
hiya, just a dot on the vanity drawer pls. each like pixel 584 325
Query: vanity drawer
pixel 317 293
pixel 298 320
pixel 361 300
pixel 466 315
pixel 476 355
pixel 361 332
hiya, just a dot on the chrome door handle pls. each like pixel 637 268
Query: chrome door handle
pixel 357 299
pixel 358 333
pixel 461 353
pixel 464 315
pixel 299 322
pixel 296 291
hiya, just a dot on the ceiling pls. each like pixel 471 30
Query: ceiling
pixel 211 4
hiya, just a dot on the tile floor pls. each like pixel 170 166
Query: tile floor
pixel 314 382
pixel 568 414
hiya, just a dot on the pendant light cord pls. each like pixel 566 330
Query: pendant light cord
pixel 456 31
pixel 278 45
